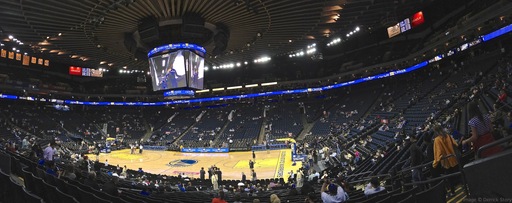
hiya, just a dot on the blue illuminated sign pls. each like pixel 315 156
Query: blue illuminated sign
pixel 497 33
pixel 6 96
pixel 172 47
pixel 179 93
pixel 205 150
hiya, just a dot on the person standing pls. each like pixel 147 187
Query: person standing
pixel 48 153
pixel 253 155
pixel 416 157
pixel 244 177
pixel 444 156
pixel 253 176
pixel 214 182
pixel 201 173
pixel 219 175
pixel 481 130
pixel 300 180
pixel 251 164
pixel 140 149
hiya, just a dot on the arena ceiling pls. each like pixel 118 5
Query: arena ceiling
pixel 90 32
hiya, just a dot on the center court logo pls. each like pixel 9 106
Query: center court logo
pixel 182 163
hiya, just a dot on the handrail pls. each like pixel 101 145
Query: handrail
pixel 369 178
pixel 492 144
pixel 357 174
pixel 425 164
pixel 433 179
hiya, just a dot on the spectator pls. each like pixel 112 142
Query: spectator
pixel 416 157
pixel 444 156
pixel 481 130
pixel 48 152
pixel 238 199
pixel 332 193
pixel 110 187
pixel 220 198
pixel 373 187
pixel 274 199
pixel 91 181
pixel 244 177
pixel 502 98
pixel 256 201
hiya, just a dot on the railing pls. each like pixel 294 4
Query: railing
pixel 492 144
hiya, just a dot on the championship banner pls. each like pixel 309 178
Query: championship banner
pixel 11 55
pixel 26 60
pixel 40 61
pixel 4 53
pixel 46 62
pixel 33 60
pixel 18 57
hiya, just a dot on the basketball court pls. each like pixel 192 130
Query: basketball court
pixel 269 164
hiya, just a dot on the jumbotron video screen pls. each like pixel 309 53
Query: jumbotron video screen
pixel 178 69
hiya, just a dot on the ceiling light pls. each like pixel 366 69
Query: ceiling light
pixel 234 87
pixel 47 37
pixel 120 71
pixel 251 85
pixel 268 83
pixel 25 53
pixel 60 34
pixel 11 37
pixel 14 48
pixel 124 67
pixel 200 91
pixel 18 51
pixel 357 28
pixel 245 62
pixel 1 45
pixel 290 41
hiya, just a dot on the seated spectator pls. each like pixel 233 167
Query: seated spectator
pixel 110 187
pixel 91 181
pixel 220 198
pixel 373 187
pixel 52 169
pixel 332 193
pixel 238 199
pixel 145 192
pixel 274 199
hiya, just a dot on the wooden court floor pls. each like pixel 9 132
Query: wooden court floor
pixel 269 164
